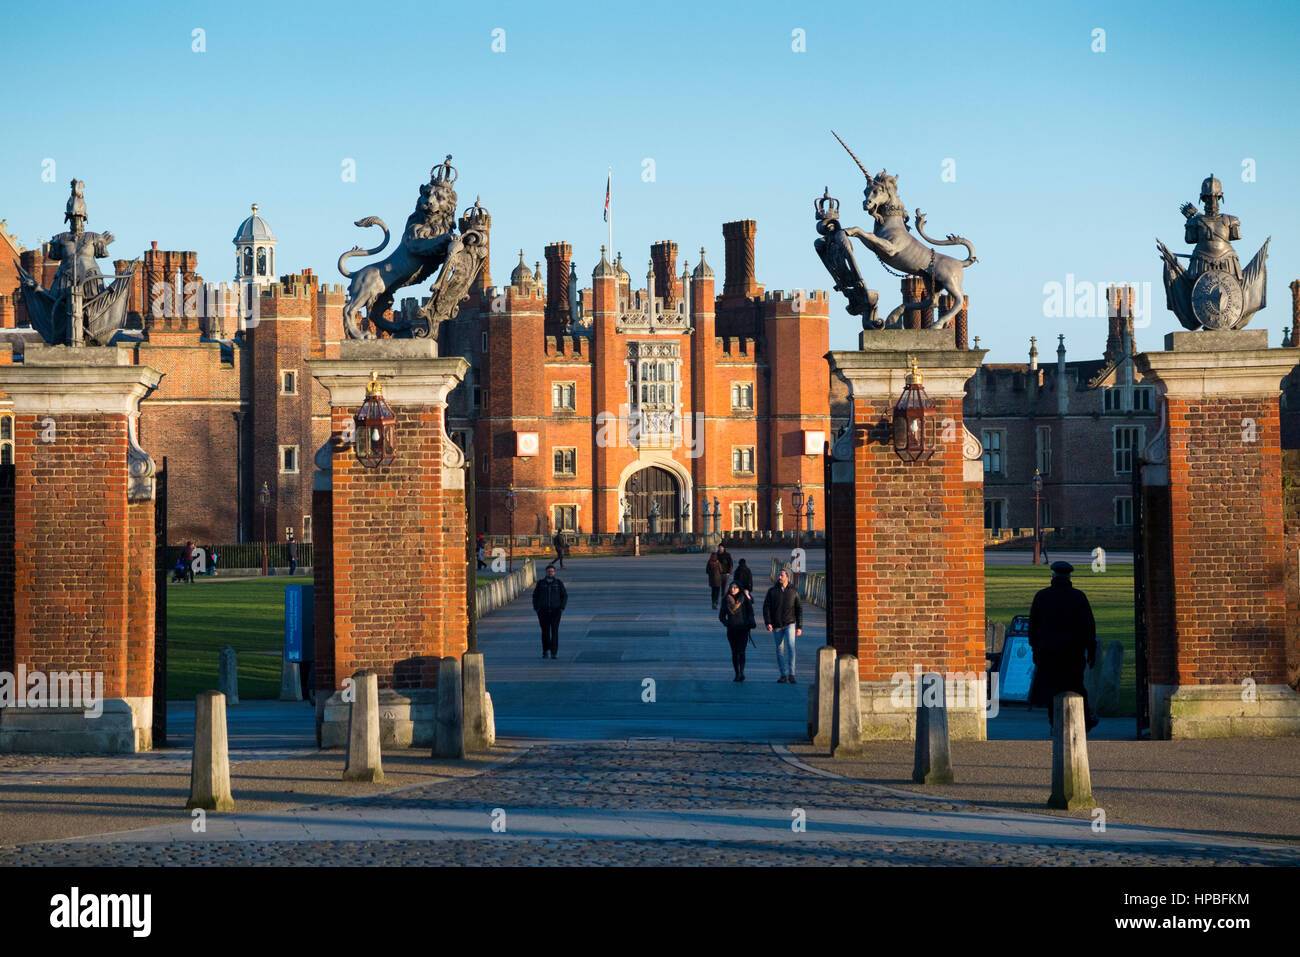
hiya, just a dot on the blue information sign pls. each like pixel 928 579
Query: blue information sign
pixel 293 623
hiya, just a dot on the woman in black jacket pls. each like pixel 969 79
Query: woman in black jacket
pixel 738 615
pixel 745 579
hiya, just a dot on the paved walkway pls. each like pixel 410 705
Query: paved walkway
pixel 636 803
pixel 634 747
pixel 635 629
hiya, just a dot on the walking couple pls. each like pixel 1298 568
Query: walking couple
pixel 782 615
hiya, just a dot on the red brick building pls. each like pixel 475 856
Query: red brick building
pixel 572 392
pixel 601 406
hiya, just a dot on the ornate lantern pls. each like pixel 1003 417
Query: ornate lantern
pixel 914 421
pixel 376 433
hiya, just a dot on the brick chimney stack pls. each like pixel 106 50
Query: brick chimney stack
pixel 739 279
pixel 664 256
pixel 1119 314
pixel 558 257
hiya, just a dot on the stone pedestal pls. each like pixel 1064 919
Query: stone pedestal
pixel 83 530
pixel 908 539
pixel 1215 553
pixel 395 576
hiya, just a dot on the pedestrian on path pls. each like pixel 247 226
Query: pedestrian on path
pixel 1042 544
pixel 187 557
pixel 549 599
pixel 560 548
pixel 480 552
pixel 783 615
pixel 724 559
pixel 292 549
pixel 1063 636
pixel 716 577
pixel 745 578
pixel 738 615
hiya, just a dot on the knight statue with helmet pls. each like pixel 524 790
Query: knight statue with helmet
pixel 1213 291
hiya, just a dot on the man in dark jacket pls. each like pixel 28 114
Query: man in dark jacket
pixel 724 559
pixel 783 615
pixel 549 599
pixel 292 549
pixel 744 578
pixel 1063 635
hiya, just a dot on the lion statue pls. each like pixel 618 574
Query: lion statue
pixel 427 240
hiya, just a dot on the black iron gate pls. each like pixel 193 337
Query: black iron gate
pixel 161 569
pixel 653 485
pixel 1142 678
pixel 828 471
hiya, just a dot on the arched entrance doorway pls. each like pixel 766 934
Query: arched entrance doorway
pixel 642 490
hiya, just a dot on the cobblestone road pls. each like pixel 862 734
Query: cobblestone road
pixel 666 791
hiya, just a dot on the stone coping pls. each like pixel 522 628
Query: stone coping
pixel 1223 340
pixel 407 378
pixel 67 387
pixel 882 368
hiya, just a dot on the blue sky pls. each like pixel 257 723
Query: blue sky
pixel 1067 161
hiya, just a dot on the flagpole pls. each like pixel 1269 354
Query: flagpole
pixel 611 214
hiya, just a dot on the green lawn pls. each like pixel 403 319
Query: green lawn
pixel 204 617
pixel 1008 591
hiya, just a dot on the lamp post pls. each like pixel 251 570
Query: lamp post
pixel 512 502
pixel 264 497
pixel 796 499
pixel 1037 484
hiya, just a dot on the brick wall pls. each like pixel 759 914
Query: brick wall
pixel 142 592
pixel 1230 608
pixel 193 419
pixel 71 581
pixel 919 542
pixel 6 568
pixel 399 548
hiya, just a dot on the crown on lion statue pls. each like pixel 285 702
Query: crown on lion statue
pixel 444 174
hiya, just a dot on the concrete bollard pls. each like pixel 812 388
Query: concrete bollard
pixel 290 680
pixel 846 726
pixel 210 766
pixel 490 719
pixel 449 733
pixel 474 703
pixel 824 716
pixel 1071 780
pixel 228 675
pixel 365 757
pixel 933 760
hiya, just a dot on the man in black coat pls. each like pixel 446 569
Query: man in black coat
pixel 549 599
pixel 783 615
pixel 1063 635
